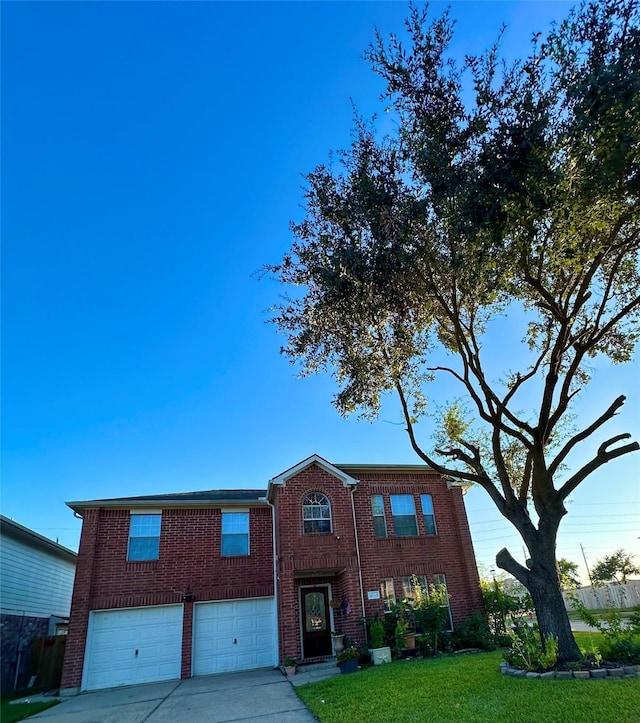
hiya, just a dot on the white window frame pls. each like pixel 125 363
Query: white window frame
pixel 428 513
pixel 394 515
pixel 228 514
pixel 136 519
pixel 440 579
pixel 383 516
pixel 388 594
pixel 312 502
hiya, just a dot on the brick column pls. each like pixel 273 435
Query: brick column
pixel 187 640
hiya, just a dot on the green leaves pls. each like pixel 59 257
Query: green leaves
pixel 506 187
pixel 507 190
pixel 614 568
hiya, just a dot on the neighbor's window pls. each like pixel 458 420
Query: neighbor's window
pixel 427 514
pixel 144 537
pixel 379 521
pixel 403 509
pixel 441 580
pixel 235 534
pixel 388 594
pixel 316 513
pixel 408 588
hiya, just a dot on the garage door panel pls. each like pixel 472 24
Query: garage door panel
pixel 136 645
pixel 238 635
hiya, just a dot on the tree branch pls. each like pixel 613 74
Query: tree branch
pixel 605 417
pixel 505 561
pixel 480 477
pixel 602 457
pixel 526 479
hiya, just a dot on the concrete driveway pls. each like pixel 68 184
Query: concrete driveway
pixel 258 695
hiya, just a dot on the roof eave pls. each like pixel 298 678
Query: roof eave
pixel 19 532
pixel 164 503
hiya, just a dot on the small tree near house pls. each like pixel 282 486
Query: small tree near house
pixel 506 189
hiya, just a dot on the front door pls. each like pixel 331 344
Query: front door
pixel 316 632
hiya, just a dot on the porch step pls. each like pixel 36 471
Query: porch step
pixel 313 672
pixel 311 667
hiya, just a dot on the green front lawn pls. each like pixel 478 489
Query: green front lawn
pixel 11 712
pixel 466 688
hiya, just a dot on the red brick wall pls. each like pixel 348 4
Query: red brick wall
pixel 299 551
pixel 189 562
pixel 449 552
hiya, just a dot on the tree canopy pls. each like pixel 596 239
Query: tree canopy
pixel 508 190
pixel 614 568
pixel 568 574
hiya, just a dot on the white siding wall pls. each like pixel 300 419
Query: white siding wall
pixel 33 581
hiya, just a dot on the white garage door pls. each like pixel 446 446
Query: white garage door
pixel 133 645
pixel 233 635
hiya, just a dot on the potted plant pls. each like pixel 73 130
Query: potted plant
pixel 338 641
pixel 379 652
pixel 348 660
pixel 289 666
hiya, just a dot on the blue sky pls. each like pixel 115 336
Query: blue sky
pixel 152 158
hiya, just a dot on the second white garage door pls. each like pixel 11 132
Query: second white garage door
pixel 233 635
pixel 127 646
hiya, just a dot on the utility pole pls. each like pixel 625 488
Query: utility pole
pixel 586 564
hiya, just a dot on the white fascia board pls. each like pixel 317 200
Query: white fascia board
pixel 282 478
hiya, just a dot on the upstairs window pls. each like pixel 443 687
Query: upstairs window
pixel 403 509
pixel 427 514
pixel 379 521
pixel 144 537
pixel 316 513
pixel 235 534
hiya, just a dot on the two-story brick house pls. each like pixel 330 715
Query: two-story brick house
pixel 171 586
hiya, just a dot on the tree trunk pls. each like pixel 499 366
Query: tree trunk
pixel 544 586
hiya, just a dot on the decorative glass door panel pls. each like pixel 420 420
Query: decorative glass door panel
pixel 316 634
pixel 315 611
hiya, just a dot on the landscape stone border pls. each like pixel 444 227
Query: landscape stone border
pixel 628 671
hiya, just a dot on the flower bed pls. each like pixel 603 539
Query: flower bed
pixel 626 671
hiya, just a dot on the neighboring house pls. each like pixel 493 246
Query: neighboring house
pixel 171 586
pixel 36 583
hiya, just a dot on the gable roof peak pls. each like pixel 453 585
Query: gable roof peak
pixel 282 478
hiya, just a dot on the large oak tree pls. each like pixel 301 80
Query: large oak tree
pixel 508 189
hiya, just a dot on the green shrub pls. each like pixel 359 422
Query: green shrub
pixel 503 608
pixel 473 632
pixel 376 633
pixel 622 651
pixel 431 613
pixel 527 653
pixel 621 637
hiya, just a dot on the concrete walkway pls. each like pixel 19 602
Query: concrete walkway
pixel 258 695
pixel 313 673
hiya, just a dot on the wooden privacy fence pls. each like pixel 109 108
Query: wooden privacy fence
pixel 605 596
pixel 47 656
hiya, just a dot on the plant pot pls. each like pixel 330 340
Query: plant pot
pixel 338 643
pixel 348 666
pixel 290 670
pixel 410 640
pixel 381 655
